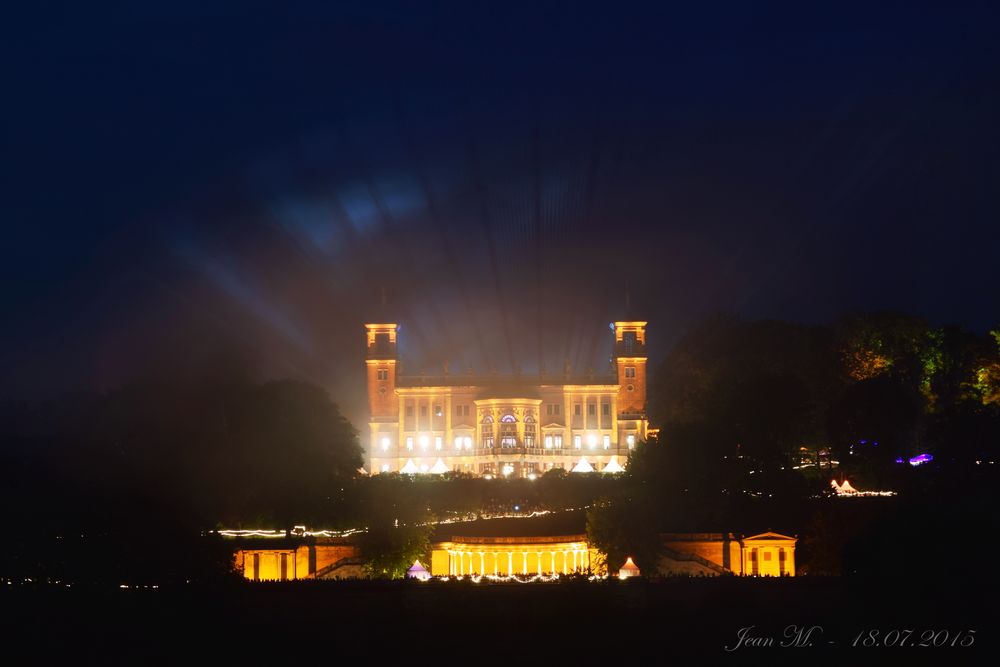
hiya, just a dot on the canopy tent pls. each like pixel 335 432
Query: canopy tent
pixel 418 571
pixel 613 466
pixel 629 569
pixel 410 468
pixel 583 466
pixel 439 467
pixel 842 489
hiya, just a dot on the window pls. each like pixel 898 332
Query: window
pixel 468 442
pixel 437 411
pixel 382 374
pixel 409 410
pixel 465 411
pixel 592 441
pixel 605 409
pixel 423 410
pixel 458 410
pixel 628 341
pixel 458 442
pixel 548 442
pixel 529 431
pixel 590 408
pixel 548 409
pixel 556 408
pixel 557 441
pixel 630 440
pixel 576 409
pixel 486 431
pixel 767 555
pixel 409 443
pixel 630 371
pixel 577 441
pixel 424 441
pixel 439 442
pixel 508 431
pixel 607 442
pixel 385 443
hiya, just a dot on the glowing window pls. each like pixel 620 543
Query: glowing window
pixel 468 442
pixel 438 443
pixel 592 441
pixel 409 442
pixel 529 431
pixel 508 431
pixel 486 432
pixel 557 441
pixel 458 442
pixel 577 441
pixel 424 441
pixel 607 442
pixel 548 442
pixel 630 439
pixel 385 443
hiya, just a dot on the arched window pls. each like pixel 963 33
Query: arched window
pixel 529 431
pixel 486 432
pixel 508 431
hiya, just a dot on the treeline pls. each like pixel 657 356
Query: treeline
pixel 871 389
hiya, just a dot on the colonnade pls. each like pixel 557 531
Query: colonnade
pixel 526 562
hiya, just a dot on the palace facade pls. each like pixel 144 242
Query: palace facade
pixel 494 425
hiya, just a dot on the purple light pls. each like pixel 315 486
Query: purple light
pixel 921 458
pixel 899 460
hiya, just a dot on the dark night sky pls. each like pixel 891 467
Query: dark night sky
pixel 184 184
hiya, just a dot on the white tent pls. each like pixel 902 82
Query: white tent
pixel 439 467
pixel 410 468
pixel 583 466
pixel 418 571
pixel 613 466
pixel 629 569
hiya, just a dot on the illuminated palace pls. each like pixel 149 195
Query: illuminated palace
pixel 517 426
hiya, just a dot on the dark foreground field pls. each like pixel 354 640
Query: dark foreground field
pixel 462 622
